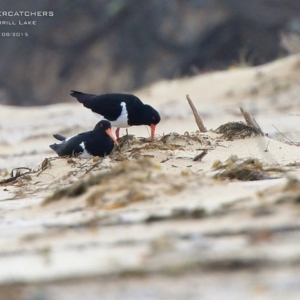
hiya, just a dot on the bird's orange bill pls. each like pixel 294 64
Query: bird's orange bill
pixel 109 132
pixel 153 126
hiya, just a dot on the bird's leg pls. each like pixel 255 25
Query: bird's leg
pixel 117 132
pixel 127 139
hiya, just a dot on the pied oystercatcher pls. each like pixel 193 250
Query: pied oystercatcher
pixel 98 142
pixel 122 110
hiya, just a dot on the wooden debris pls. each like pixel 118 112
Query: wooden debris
pixel 200 156
pixel 196 115
pixel 251 122
pixel 291 142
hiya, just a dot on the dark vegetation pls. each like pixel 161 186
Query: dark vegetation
pixel 120 45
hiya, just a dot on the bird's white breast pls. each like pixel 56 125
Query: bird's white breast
pixel 121 121
pixel 85 153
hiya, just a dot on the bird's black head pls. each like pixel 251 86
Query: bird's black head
pixel 103 125
pixel 151 116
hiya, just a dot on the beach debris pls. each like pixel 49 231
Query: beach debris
pixel 84 165
pixel 177 139
pixel 137 170
pixel 46 163
pixel 290 142
pixel 248 169
pixel 187 139
pixel 76 189
pixel 236 131
pixel 198 119
pixel 251 122
pixel 119 156
pixel 97 161
pixel 290 192
pixel 200 156
pixel 285 192
pixel 124 143
pixel 4 172
pixel 15 174
pixel 102 198
pixel 239 130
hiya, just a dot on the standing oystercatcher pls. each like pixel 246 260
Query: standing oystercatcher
pixel 122 110
pixel 98 142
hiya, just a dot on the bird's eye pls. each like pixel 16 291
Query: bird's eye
pixel 153 118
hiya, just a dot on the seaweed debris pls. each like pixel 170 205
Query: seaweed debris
pixel 248 169
pixel 237 130
pixel 142 168
pixel 291 191
pixel 15 174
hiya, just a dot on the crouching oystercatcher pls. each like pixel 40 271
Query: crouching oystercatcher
pixel 122 110
pixel 98 142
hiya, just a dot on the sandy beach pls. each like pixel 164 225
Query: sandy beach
pixel 150 222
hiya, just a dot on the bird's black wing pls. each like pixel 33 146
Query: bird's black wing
pixel 82 97
pixel 71 146
pixel 59 137
pixel 108 106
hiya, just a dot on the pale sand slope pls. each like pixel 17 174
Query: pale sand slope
pixel 158 211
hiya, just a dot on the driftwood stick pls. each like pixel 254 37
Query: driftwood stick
pixel 250 120
pixel 200 156
pixel 15 174
pixel 196 115
pixel 284 135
